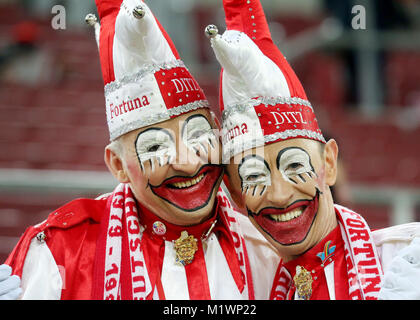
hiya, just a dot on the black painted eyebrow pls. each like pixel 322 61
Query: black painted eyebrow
pixel 151 129
pixel 154 129
pixel 252 156
pixel 189 119
pixel 288 148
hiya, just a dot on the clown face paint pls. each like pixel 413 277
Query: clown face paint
pixel 294 164
pixel 290 224
pixel 193 192
pixel 255 175
pixel 176 172
pixel 156 146
pixel 293 212
pixel 190 193
pixel 198 135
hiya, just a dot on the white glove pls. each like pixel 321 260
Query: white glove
pixel 9 285
pixel 402 279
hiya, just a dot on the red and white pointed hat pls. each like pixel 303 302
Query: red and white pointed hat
pixel 261 99
pixel 145 80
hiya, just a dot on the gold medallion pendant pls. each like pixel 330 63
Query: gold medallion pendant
pixel 185 247
pixel 303 283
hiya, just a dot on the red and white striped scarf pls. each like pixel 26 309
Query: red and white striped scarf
pixel 120 266
pixel 363 265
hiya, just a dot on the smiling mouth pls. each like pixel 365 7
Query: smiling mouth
pixel 284 217
pixel 187 183
pixel 288 225
pixel 190 193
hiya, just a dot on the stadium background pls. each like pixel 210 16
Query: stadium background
pixel 363 84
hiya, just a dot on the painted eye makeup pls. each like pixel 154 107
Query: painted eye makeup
pixel 198 134
pixel 254 174
pixel 295 165
pixel 156 146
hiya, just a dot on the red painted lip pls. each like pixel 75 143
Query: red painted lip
pixel 194 197
pixel 293 231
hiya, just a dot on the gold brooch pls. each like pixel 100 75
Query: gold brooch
pixel 185 247
pixel 303 282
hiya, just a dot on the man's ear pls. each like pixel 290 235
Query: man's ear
pixel 330 161
pixel 115 165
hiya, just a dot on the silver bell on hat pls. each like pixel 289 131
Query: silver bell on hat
pixel 91 19
pixel 139 12
pixel 211 31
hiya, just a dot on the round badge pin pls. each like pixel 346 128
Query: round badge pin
pixel 159 228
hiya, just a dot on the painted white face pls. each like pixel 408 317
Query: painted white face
pixel 292 205
pixel 157 146
pixel 281 192
pixel 293 163
pixel 174 167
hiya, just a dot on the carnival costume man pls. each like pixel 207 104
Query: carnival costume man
pixel 280 168
pixel 167 231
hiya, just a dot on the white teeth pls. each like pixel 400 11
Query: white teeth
pixel 189 183
pixel 287 216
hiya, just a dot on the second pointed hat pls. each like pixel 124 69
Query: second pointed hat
pixel 145 80
pixel 261 98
